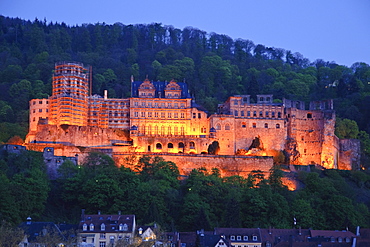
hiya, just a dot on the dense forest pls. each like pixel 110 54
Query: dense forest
pixel 215 67
pixel 329 199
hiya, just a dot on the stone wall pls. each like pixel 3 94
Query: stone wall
pixel 227 164
pixel 350 154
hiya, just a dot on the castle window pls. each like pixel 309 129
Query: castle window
pixel 236 113
pixel 34 110
pixel 235 102
pixel 40 110
pixel 227 127
pixel 242 113
pixel 182 115
pixel 155 114
pixel 278 126
pixel 169 115
pixel 261 98
pixel 176 130
pixel 169 130
pixel 194 115
pixel 34 102
pixel 155 104
pixel 203 130
pixel 102 227
pixel 254 125
pixel 254 114
pixel 268 99
pixel 218 126
pixel 266 125
pixel 169 145
pixel 158 146
pixel 181 145
pixel 182 105
pixel 273 114
pixel 136 114
pixel 261 114
pixel 305 151
pixel 248 113
pixel 142 114
pixel 199 115
pixel 150 104
pixel 169 105
pixel 163 115
pixel 191 145
pixel 309 115
pixel 136 104
pixel 279 114
pixel 244 125
pixel 267 114
pixel 149 114
pixel 182 129
pixel 40 102
pixel 176 115
pixel 143 103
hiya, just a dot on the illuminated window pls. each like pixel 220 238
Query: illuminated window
pixel 102 227
pixel 163 115
pixel 273 114
pixel 254 114
pixel 84 227
pixel 244 125
pixel 169 130
pixel 91 227
pixel 169 115
pixel 143 114
pixel 176 115
pixel 149 114
pixel 191 145
pixel 182 129
pixel 182 115
pixel 254 125
pixel 155 114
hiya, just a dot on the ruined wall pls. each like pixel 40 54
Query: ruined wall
pixel 77 135
pixel 227 164
pixel 350 154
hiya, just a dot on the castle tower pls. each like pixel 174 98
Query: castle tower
pixel 69 101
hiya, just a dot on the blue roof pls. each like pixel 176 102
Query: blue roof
pixel 159 86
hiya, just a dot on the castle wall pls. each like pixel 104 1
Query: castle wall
pixel 228 165
pixel 350 154
pixel 39 109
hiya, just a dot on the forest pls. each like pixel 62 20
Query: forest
pixel 214 66
pixel 329 199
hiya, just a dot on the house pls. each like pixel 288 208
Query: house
pixel 147 233
pixel 45 233
pixel 101 230
pixel 241 237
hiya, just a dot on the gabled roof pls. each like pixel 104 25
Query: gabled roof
pixel 160 86
pixel 210 240
pixel 35 229
pixel 111 222
pixel 250 232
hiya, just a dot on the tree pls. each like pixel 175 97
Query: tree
pixel 346 129
pixel 10 236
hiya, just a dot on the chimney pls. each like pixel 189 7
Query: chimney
pixel 83 215
pixel 105 94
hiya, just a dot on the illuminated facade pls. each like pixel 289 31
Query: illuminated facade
pixel 162 117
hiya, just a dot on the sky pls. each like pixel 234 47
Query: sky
pixel 333 30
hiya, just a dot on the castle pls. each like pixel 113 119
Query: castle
pixel 162 118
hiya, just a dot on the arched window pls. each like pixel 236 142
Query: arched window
pixel 309 115
pixel 266 125
pixel 227 127
pixel 170 145
pixel 158 146
pixel 192 145
pixel 91 227
pixel 218 127
pixel 278 126
pixel 102 227
pixel 181 145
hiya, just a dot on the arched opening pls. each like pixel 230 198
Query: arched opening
pixel 170 145
pixel 227 127
pixel 218 127
pixel 158 146
pixel 191 145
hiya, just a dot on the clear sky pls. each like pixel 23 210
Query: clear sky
pixel 332 30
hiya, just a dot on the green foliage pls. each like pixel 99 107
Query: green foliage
pixel 346 129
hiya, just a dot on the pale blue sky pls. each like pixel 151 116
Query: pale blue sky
pixel 333 30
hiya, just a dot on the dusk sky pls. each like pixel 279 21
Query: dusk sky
pixel 332 30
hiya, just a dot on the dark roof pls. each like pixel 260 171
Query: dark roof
pixel 210 240
pixel 35 229
pixel 159 86
pixel 110 221
pixel 227 232
pixel 328 234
